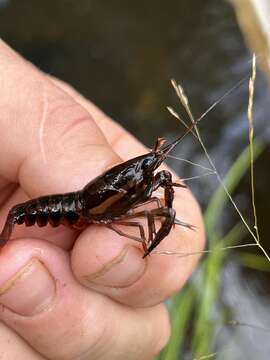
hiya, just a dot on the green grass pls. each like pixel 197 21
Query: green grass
pixel 195 321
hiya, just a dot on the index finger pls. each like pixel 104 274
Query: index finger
pixel 47 136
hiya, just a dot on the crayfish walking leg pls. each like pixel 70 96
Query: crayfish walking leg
pixel 161 179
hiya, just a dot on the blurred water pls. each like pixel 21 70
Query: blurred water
pixel 121 55
pixel 249 340
pixel 3 3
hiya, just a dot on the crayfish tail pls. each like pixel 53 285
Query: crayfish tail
pixel 5 234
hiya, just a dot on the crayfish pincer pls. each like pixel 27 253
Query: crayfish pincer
pixel 111 199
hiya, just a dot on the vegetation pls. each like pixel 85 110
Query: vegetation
pixel 195 312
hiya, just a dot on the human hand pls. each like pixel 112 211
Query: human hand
pixel 64 295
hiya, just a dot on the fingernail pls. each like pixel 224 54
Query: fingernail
pixel 29 291
pixel 124 270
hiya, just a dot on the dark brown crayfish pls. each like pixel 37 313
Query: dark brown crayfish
pixel 110 199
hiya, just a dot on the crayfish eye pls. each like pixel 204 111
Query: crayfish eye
pixel 146 163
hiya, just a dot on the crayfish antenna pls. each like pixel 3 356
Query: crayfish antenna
pixel 158 144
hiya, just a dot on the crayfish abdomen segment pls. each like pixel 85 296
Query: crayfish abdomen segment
pixel 55 210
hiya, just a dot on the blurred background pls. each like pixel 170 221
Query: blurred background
pixel 122 55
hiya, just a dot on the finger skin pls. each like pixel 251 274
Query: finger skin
pixel 78 323
pixel 59 129
pixel 14 347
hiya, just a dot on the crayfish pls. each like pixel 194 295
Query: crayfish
pixel 110 199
